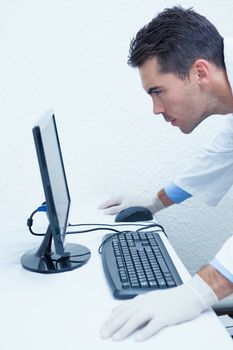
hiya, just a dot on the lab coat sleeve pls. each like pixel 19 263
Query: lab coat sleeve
pixel 223 261
pixel 210 175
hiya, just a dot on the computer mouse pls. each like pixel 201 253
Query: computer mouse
pixel 132 214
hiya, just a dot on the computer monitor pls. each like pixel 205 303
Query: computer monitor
pixel 56 257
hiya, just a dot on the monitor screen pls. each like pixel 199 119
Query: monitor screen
pixel 53 176
pixel 64 257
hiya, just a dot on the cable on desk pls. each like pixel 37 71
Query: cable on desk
pixel 43 208
pixel 92 229
pixel 126 223
pixel 108 227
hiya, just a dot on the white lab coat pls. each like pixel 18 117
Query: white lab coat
pixel 210 175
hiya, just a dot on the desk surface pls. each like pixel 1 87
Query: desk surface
pixel 66 310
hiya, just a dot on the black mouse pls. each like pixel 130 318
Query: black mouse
pixel 132 214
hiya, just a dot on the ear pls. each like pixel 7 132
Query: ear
pixel 202 71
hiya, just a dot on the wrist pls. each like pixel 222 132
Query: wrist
pixel 156 205
pixel 163 197
pixel 203 291
pixel 221 286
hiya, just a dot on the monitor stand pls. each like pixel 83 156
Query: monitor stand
pixel 44 260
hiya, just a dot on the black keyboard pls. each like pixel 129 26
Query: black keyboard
pixel 137 262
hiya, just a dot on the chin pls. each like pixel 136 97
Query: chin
pixel 185 130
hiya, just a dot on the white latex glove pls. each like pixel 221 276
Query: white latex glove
pixel 115 204
pixel 155 310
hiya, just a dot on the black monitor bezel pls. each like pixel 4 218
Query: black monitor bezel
pixel 58 236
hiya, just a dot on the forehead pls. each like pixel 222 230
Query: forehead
pixel 151 75
pixel 150 65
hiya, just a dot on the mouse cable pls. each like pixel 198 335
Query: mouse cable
pixel 143 226
pixel 109 225
pixel 93 229
pixel 43 208
pixel 127 231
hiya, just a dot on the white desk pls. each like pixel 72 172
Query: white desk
pixel 66 310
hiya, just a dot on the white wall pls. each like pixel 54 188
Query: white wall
pixel 71 55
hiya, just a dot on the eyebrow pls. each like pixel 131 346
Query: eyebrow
pixel 153 89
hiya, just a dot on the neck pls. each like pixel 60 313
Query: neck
pixel 223 98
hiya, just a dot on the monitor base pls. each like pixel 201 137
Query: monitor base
pixel 75 255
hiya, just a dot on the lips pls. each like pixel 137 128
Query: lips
pixel 170 120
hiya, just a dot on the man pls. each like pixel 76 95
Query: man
pixel 186 68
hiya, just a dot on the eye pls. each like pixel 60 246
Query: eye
pixel 156 92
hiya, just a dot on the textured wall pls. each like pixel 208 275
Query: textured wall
pixel 71 55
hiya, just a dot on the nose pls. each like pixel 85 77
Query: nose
pixel 158 107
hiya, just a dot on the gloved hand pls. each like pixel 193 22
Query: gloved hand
pixel 155 310
pixel 115 204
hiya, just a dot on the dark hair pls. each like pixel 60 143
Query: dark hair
pixel 177 37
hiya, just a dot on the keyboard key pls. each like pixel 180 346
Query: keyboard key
pixel 123 275
pixel 143 284
pixel 171 283
pixel 153 283
pixel 162 265
pixel 142 236
pixel 135 285
pixel 148 250
pixel 161 282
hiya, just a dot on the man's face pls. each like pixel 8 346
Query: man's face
pixel 181 102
